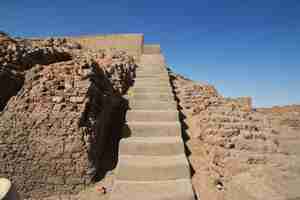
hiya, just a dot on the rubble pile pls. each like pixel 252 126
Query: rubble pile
pixel 17 56
pixel 54 132
pixel 22 55
pixel 60 43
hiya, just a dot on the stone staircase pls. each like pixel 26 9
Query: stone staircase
pixel 152 162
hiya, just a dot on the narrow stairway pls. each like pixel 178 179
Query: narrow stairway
pixel 152 162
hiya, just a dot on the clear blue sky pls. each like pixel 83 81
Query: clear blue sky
pixel 244 48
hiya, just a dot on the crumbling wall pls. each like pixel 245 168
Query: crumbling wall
pixel 131 43
pixel 48 131
pixel 18 56
pixel 226 137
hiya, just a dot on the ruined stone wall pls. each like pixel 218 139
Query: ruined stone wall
pixel 45 147
pixel 131 43
pixel 18 56
pixel 227 138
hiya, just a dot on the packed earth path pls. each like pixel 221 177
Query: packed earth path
pixel 152 162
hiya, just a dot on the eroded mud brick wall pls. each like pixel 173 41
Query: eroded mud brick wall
pixel 44 150
pixel 131 43
pixel 43 146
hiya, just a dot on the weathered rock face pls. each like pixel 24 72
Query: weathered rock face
pixel 62 121
pixel 18 56
pixel 22 55
pixel 233 147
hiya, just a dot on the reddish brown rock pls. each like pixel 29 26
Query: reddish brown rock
pixel 48 128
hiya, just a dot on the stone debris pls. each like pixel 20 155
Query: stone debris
pixel 18 56
pixel 23 54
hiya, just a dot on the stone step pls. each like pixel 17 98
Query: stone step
pixel 151 146
pixel 140 73
pixel 158 71
pixel 154 83
pixel 152 116
pixel 152 129
pixel 137 89
pixel 152 79
pixel 152 168
pixel 159 75
pixel 152 58
pixel 153 95
pixel 147 64
pixel 151 67
pixel 164 190
pixel 149 72
pixel 152 63
pixel 152 105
